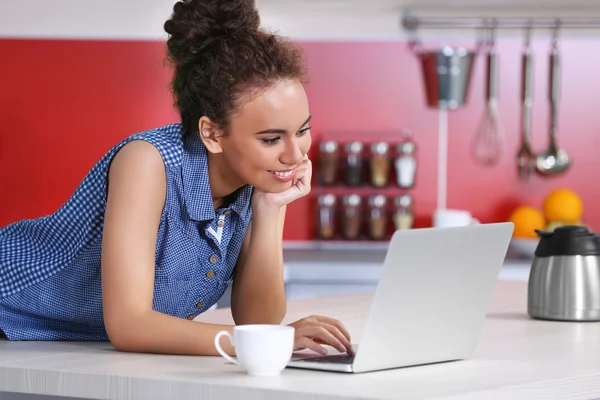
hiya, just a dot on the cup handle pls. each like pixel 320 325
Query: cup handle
pixel 220 350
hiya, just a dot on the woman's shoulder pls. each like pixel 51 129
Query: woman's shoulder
pixel 167 139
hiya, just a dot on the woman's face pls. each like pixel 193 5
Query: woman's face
pixel 269 137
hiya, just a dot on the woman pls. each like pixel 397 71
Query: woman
pixel 170 217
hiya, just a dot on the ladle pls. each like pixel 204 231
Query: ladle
pixel 554 160
pixel 525 156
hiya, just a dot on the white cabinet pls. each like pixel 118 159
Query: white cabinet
pixel 312 272
pixel 309 290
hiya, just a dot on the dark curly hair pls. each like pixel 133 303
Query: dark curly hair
pixel 219 53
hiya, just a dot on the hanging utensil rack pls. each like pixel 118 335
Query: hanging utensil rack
pixel 412 24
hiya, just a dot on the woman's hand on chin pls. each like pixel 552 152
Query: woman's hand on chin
pixel 300 188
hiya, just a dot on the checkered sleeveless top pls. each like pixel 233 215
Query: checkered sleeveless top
pixel 50 286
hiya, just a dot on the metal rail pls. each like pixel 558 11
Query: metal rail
pixel 411 22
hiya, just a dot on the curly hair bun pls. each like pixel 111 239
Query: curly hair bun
pixel 219 53
pixel 202 21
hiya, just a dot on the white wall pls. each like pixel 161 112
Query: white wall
pixel 300 19
pixel 125 19
pixel 144 19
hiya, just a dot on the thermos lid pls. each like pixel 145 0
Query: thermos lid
pixel 568 240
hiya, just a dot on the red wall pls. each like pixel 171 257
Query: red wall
pixel 64 103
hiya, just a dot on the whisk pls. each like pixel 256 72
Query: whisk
pixel 488 145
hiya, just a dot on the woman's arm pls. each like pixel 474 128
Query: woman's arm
pixel 136 196
pixel 258 293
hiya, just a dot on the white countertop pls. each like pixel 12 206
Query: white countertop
pixel 516 358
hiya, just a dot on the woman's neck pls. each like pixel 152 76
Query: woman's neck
pixel 222 180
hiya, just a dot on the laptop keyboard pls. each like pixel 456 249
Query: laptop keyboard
pixel 332 359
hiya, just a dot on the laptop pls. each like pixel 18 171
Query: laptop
pixel 430 302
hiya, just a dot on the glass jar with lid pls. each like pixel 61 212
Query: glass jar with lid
pixel 406 163
pixel 327 216
pixel 380 164
pixel 352 221
pixel 353 174
pixel 378 219
pixel 328 162
pixel 404 217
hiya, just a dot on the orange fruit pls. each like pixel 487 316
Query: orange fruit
pixel 527 219
pixel 563 205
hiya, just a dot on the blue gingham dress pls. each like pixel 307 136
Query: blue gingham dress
pixel 50 286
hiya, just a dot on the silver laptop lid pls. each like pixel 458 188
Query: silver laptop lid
pixel 433 295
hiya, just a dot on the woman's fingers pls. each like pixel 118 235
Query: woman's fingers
pixel 303 175
pixel 338 329
pixel 345 339
pixel 316 330
pixel 307 343
pixel 336 323
pixel 323 334
pixel 339 335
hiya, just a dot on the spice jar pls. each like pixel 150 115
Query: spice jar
pixel 406 163
pixel 354 164
pixel 326 222
pixel 352 216
pixel 328 162
pixel 403 215
pixel 377 217
pixel 380 164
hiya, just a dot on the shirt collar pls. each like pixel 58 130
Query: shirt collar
pixel 196 185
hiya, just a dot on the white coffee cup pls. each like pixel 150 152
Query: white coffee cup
pixel 261 350
pixel 448 218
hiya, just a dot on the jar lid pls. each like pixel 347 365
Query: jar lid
pixel 403 201
pixel 406 147
pixel 380 148
pixel 378 200
pixel 327 200
pixel 329 146
pixel 354 147
pixel 352 200
pixel 568 240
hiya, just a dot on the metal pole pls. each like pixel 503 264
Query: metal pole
pixel 411 22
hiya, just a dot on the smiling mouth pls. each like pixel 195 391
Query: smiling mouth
pixel 283 174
